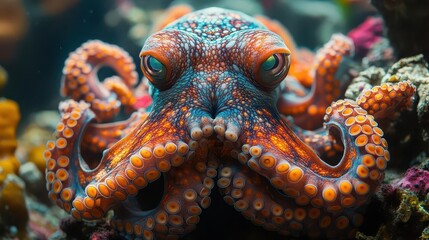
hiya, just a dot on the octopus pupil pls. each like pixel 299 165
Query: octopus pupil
pixel 271 63
pixel 154 65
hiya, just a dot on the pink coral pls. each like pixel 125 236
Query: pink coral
pixel 366 34
pixel 417 180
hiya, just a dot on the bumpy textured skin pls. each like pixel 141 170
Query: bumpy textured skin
pixel 212 122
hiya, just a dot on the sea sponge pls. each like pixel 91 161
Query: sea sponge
pixel 9 118
pixel 35 155
pixel 366 34
pixel 13 210
pixel 416 180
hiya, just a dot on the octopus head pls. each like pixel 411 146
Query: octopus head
pixel 210 71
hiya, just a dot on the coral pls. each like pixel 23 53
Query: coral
pixel 9 118
pixel 366 35
pixel 401 215
pixel 380 55
pixel 417 180
pixel 82 230
pixel 35 155
pixel 13 210
pixel 364 81
pixel 33 179
pixel 414 69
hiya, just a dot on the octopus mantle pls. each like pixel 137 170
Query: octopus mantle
pixel 216 79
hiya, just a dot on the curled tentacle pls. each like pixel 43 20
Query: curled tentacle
pixel 264 206
pixel 124 169
pixel 66 173
pixel 325 87
pixel 186 193
pixel 294 168
pixel 80 80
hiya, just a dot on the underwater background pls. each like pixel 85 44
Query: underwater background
pixel 390 46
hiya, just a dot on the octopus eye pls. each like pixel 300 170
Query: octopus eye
pixel 271 63
pixel 154 67
pixel 274 69
pixel 155 71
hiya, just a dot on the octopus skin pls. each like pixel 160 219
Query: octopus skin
pixel 215 78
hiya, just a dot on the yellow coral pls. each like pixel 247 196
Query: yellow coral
pixel 35 155
pixel 9 118
pixel 13 210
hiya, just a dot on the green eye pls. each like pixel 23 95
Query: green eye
pixel 270 63
pixel 155 71
pixel 273 70
pixel 155 65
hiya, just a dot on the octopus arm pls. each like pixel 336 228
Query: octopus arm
pixel 186 194
pixel 274 151
pixel 386 100
pixel 128 165
pixel 264 206
pixel 324 143
pixel 80 80
pixel 325 87
pixel 99 136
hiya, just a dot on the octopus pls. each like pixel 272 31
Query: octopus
pixel 221 115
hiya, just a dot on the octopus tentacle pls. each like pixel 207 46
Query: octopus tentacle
pixel 100 136
pixel 324 144
pixel 62 183
pixel 93 191
pixel 325 87
pixel 294 168
pixel 266 207
pixel 80 80
pixel 385 100
pixel 187 191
